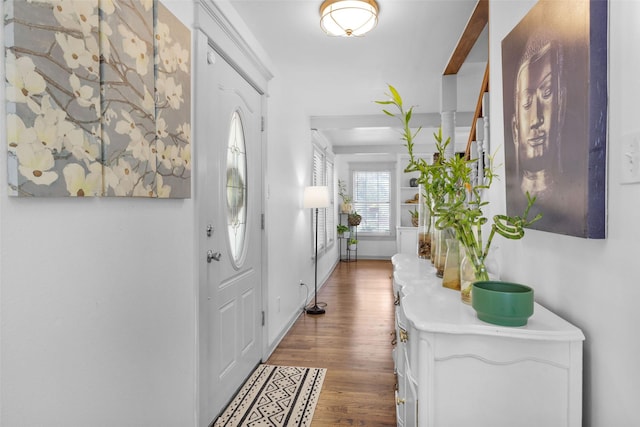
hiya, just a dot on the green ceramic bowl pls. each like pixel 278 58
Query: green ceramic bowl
pixel 502 303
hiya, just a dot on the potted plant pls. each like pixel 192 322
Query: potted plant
pixel 345 206
pixel 343 231
pixel 354 219
pixel 415 216
pixel 353 244
pixel 457 201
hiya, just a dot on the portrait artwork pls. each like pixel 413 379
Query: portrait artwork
pixel 554 69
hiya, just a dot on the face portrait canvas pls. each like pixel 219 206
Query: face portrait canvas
pixel 554 65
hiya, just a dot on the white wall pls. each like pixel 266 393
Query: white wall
pixel 98 297
pixel 589 282
pixel 289 229
pixel 97 307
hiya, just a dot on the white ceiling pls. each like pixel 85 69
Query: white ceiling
pixel 338 79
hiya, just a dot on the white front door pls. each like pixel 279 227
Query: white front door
pixel 230 208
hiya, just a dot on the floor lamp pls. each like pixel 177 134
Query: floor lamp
pixel 316 197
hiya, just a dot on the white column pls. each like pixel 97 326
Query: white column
pixel 448 106
pixel 480 148
pixel 485 114
pixel 473 155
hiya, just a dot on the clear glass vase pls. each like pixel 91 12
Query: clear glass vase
pixel 424 227
pixel 424 242
pixel 441 250
pixel 467 277
pixel 451 277
pixel 474 269
pixel 434 241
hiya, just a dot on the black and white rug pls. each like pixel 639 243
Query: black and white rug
pixel 277 396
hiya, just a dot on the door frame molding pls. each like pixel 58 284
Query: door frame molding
pixel 218 27
pixel 230 38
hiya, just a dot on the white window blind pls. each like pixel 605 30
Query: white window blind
pixel 319 179
pixel 372 200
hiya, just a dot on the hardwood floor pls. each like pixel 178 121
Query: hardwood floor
pixel 353 341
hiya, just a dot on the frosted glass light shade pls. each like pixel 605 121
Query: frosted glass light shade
pixel 348 18
pixel 316 197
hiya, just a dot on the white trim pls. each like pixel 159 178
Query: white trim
pixel 231 38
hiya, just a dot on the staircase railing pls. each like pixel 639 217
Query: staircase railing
pixel 476 24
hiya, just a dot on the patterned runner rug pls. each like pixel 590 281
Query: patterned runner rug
pixel 278 396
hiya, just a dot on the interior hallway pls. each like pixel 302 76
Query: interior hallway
pixel 353 341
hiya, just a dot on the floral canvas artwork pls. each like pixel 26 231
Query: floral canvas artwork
pixel 98 99
pixel 53 99
pixel 173 106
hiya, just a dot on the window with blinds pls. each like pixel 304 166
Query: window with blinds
pixel 323 175
pixel 372 200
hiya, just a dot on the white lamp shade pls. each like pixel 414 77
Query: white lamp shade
pixel 348 18
pixel 316 197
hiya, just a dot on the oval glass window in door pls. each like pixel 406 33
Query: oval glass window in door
pixel 236 189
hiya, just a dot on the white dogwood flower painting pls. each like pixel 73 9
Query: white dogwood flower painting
pixel 173 118
pixel 98 99
pixel 52 63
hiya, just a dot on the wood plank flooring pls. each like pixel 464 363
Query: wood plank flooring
pixel 353 341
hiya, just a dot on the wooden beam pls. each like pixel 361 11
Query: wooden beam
pixel 478 20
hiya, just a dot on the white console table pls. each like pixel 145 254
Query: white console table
pixel 456 370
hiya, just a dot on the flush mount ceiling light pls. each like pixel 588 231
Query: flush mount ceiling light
pixel 348 18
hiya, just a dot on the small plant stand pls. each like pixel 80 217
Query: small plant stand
pixel 348 255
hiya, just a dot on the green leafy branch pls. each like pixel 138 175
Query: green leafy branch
pixel 430 175
pixel 453 197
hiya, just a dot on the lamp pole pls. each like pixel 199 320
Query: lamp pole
pixel 315 309
pixel 316 197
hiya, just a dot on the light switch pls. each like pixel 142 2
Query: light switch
pixel 630 159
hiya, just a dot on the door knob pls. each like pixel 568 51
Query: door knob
pixel 213 256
